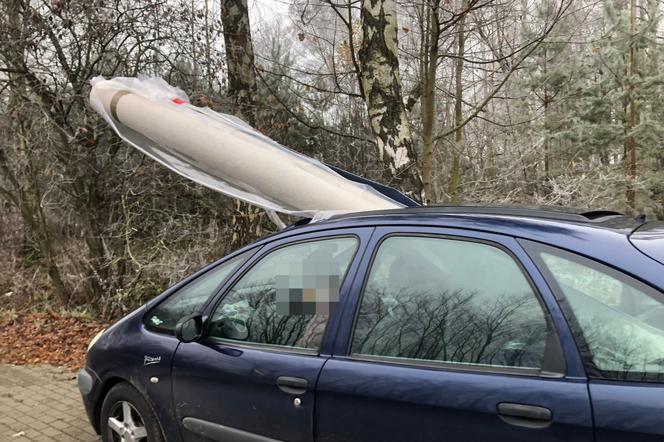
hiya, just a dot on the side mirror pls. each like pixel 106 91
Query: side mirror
pixel 189 328
pixel 233 328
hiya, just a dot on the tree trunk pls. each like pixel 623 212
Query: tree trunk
pixel 546 118
pixel 208 59
pixel 429 103
pixel 242 87
pixel 381 87
pixel 455 172
pixel 194 57
pixel 631 118
pixel 243 92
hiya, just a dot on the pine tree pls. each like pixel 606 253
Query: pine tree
pixel 617 113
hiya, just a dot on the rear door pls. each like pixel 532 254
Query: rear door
pixel 253 376
pixel 449 338
pixel 618 322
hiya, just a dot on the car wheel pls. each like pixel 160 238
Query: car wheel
pixel 127 417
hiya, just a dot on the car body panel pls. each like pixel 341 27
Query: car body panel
pixel 372 400
pixel 649 239
pixel 234 385
pixel 628 411
pixel 120 355
pixel 378 401
pixel 622 410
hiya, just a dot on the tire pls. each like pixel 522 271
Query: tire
pixel 126 412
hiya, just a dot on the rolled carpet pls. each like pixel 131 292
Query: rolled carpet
pixel 224 153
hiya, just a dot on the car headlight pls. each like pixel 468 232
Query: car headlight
pixel 95 339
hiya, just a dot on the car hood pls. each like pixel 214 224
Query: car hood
pixel 649 239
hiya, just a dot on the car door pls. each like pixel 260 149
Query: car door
pixel 618 322
pixel 157 343
pixel 449 338
pixel 253 375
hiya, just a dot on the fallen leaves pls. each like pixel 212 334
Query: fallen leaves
pixel 47 338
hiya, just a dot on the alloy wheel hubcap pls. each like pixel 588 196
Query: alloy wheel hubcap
pixel 125 424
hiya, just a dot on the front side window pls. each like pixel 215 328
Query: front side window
pixel 192 297
pixel 618 322
pixel 286 298
pixel 451 301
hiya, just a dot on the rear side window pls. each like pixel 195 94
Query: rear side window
pixel 618 322
pixel 192 297
pixel 286 298
pixel 451 301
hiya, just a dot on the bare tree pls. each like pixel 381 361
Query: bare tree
pixel 382 92
pixel 242 90
pixel 240 58
pixel 455 171
pixel 631 118
pixel 429 68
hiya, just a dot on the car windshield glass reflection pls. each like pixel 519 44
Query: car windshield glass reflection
pixel 192 297
pixel 452 301
pixel 620 327
pixel 287 297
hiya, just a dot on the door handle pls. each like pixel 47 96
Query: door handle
pixel 521 415
pixel 292 385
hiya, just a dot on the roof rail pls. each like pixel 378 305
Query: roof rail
pixel 542 212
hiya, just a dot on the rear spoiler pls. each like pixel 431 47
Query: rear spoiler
pixel 389 192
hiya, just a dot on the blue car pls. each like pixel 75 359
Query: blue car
pixel 418 324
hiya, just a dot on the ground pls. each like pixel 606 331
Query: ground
pixel 41 403
pixel 39 356
pixel 54 338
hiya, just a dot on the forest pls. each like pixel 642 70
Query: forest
pixel 501 102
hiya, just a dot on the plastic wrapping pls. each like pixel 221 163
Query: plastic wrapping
pixel 224 153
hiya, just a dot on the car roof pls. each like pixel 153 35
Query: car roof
pixel 512 220
pixel 542 212
pixel 590 232
pixel 597 234
pixel 552 225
